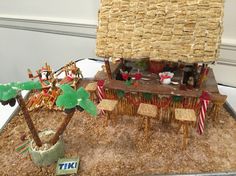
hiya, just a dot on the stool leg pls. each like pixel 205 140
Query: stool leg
pixel 92 96
pixel 140 124
pixel 107 118
pixel 217 112
pixel 213 113
pixel 146 129
pixel 210 112
pixel 179 127
pixel 149 123
pixel 113 119
pixel 95 97
pixel 185 138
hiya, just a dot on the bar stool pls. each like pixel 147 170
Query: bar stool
pixel 108 106
pixel 147 111
pixel 218 102
pixel 186 118
pixel 92 89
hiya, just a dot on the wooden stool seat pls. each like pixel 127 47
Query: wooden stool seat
pixel 218 101
pixel 108 106
pixel 147 111
pixel 186 117
pixel 92 89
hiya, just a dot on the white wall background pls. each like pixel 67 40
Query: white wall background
pixel 68 9
pixel 229 35
pixel 56 31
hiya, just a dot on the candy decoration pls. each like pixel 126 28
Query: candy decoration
pixel 204 99
pixel 128 82
pixel 147 96
pixel 101 92
pixel 137 76
pixel 22 149
pixel 120 93
pixel 125 75
pixel 165 77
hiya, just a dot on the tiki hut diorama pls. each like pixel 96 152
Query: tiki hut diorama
pixel 157 53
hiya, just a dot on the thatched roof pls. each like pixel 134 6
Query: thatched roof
pixel 171 30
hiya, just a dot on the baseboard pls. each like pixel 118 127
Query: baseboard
pixel 78 28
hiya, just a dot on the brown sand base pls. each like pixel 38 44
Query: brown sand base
pixel 122 150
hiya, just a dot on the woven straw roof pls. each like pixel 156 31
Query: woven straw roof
pixel 171 30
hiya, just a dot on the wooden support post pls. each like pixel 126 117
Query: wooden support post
pixel 146 128
pixel 186 135
pixel 28 120
pixel 179 127
pixel 108 118
pixel 108 68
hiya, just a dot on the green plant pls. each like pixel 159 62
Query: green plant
pixel 142 64
pixel 11 92
pixel 71 99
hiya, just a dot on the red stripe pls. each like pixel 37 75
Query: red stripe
pixel 101 95
pixel 202 116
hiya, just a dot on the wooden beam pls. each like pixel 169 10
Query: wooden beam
pixel 108 68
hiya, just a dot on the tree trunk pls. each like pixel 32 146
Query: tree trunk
pixel 62 127
pixel 28 120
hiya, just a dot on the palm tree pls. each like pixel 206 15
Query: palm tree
pixel 71 100
pixel 12 92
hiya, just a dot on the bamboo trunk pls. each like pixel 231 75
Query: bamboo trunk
pixel 28 120
pixel 62 127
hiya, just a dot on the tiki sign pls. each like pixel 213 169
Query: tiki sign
pixel 67 166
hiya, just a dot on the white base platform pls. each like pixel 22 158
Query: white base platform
pixel 231 99
pixel 6 112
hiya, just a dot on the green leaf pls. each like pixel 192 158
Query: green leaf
pixel 82 93
pixel 29 85
pixel 88 106
pixel 69 97
pixel 66 88
pixel 14 85
pixel 7 92
pixel 67 101
pixel 2 89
